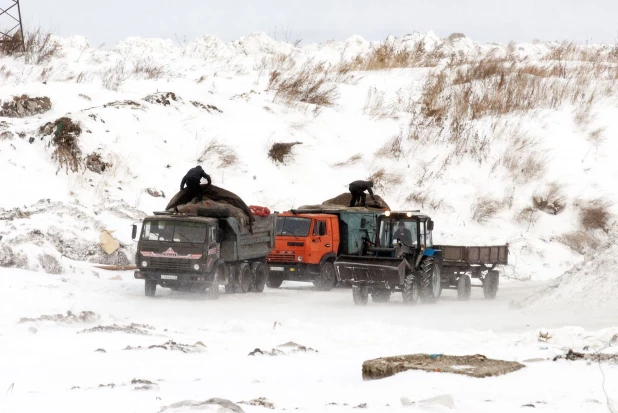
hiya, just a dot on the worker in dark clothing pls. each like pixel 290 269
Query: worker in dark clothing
pixel 403 234
pixel 192 179
pixel 357 189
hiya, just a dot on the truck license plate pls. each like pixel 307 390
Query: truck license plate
pixel 169 277
pixel 276 268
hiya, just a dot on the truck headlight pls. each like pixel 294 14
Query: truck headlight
pixel 300 258
pixel 196 267
pixel 144 264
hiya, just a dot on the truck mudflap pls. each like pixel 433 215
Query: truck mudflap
pixel 358 269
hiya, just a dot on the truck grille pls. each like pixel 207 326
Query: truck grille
pixel 280 257
pixel 171 264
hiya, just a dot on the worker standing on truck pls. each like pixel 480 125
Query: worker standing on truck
pixel 192 179
pixel 357 189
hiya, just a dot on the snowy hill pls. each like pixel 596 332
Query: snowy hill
pixel 499 143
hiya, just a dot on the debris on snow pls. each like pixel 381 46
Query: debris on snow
pixel 108 243
pixel 283 349
pixel 225 406
pixel 133 328
pixel 207 108
pixel 281 152
pixel 123 103
pixel 69 318
pixel 23 106
pixel 65 140
pixel 6 135
pixel 261 401
pixel 50 264
pixel 96 164
pixel 162 98
pixel 173 346
pixel 155 193
pixel 474 366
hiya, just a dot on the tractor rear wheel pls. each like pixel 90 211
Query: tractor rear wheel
pixel 380 296
pixel 464 287
pixel 410 291
pixel 326 279
pixel 431 280
pixel 490 284
pixel 360 294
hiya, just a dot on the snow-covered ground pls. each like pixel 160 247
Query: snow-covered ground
pixel 55 367
pixel 476 179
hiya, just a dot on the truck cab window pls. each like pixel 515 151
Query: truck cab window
pixel 319 228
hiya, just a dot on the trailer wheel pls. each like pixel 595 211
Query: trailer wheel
pixel 490 284
pixel 360 294
pixel 326 279
pixel 410 289
pixel 431 282
pixel 259 274
pixel 213 290
pixel 464 287
pixel 150 288
pixel 244 278
pixel 274 280
pixel 380 296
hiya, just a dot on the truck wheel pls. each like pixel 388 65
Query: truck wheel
pixel 464 287
pixel 229 289
pixel 360 294
pixel 213 290
pixel 327 279
pixel 244 278
pixel 490 284
pixel 431 282
pixel 150 288
pixel 380 296
pixel 274 280
pixel 260 274
pixel 410 292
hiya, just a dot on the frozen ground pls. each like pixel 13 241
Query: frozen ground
pixel 51 366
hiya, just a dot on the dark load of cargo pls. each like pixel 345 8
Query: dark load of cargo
pixel 342 201
pixel 402 257
pixel 200 246
pixel 310 239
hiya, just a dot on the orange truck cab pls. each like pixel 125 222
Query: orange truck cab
pixel 309 241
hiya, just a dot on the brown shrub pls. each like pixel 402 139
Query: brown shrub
pixel 95 163
pixel 595 214
pixel 65 141
pixel 350 161
pixel 484 209
pixel 309 85
pixel 393 148
pixel 551 200
pixel 528 215
pixel 387 56
pixel 281 152
pixel 148 69
pixel 384 181
pixel 227 155
pixel 40 47
pixel 579 241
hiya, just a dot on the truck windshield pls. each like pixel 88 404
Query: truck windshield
pixel 298 227
pixel 392 230
pixel 174 231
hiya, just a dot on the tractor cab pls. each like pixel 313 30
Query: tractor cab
pixel 402 233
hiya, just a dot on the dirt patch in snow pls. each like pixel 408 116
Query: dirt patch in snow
pixel 68 318
pixel 164 99
pixel 193 405
pixel 50 264
pixel 474 366
pixel 283 349
pixel 133 328
pixel 261 401
pixel 95 163
pixel 173 346
pixel 123 104
pixel 207 108
pixel 23 106
pixel 590 284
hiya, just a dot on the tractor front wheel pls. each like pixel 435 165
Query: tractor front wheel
pixel 360 294
pixel 431 280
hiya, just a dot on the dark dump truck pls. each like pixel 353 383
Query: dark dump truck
pixel 203 250
pixel 402 257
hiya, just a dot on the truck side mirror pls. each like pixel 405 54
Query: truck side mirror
pixel 134 232
pixel 430 225
pixel 322 228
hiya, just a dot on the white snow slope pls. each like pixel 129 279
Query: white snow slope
pixel 472 168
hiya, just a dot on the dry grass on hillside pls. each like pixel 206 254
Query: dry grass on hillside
pixel 226 155
pixel 354 159
pixel 310 85
pixel 281 152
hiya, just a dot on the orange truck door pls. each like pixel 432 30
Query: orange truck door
pixel 321 240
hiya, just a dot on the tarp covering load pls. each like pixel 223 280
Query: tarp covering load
pixel 343 202
pixel 213 197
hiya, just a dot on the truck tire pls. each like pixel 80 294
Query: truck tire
pixel 259 272
pixel 464 287
pixel 360 294
pixel 410 292
pixel 150 288
pixel 229 289
pixel 490 284
pixel 431 280
pixel 274 280
pixel 380 296
pixel 244 278
pixel 326 279
pixel 213 289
